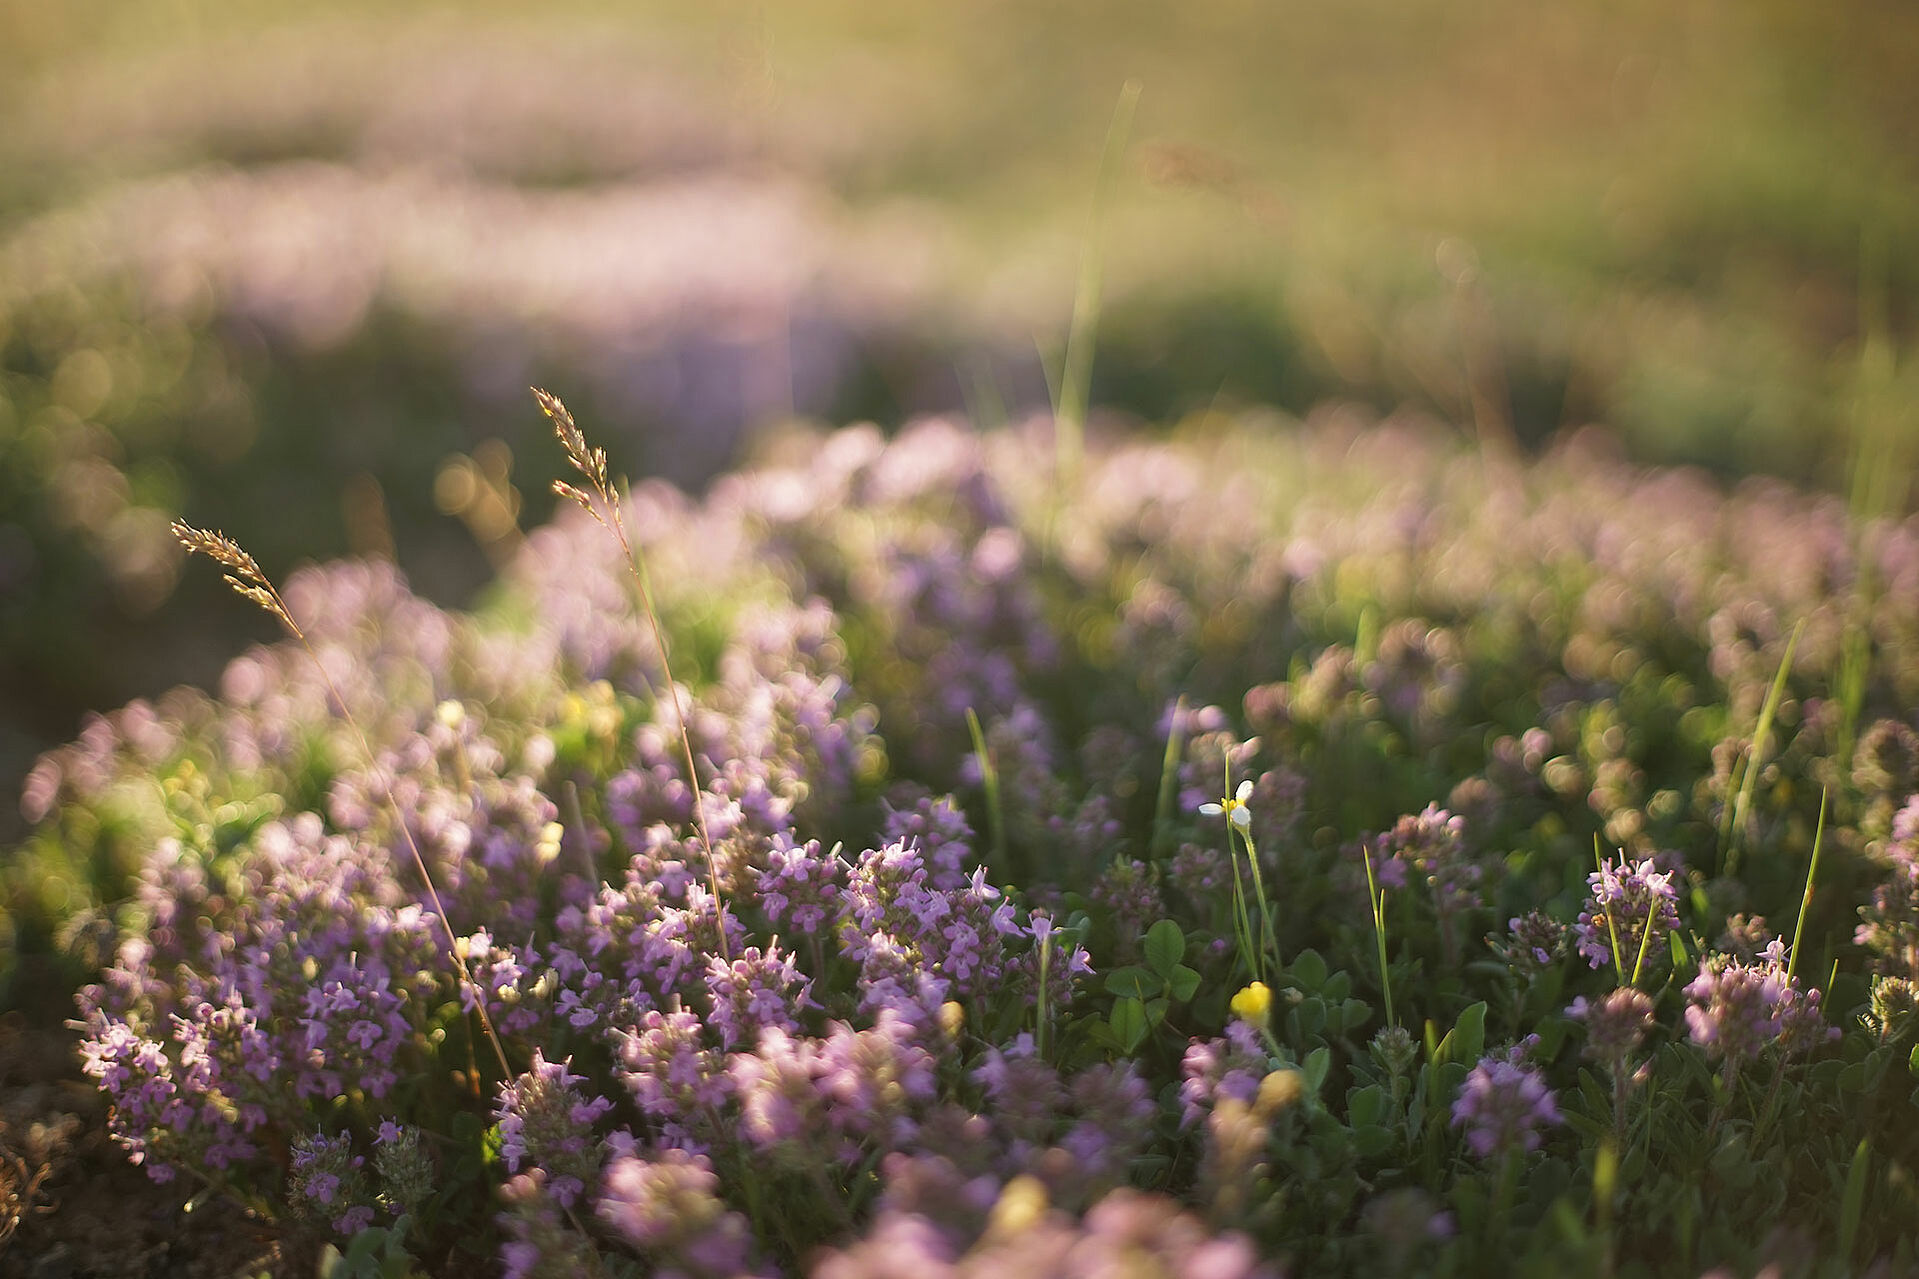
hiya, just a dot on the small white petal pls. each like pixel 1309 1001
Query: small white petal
pixel 1242 817
pixel 1211 810
pixel 1245 789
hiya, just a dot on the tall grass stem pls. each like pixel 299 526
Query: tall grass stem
pixel 251 583
pixel 1076 372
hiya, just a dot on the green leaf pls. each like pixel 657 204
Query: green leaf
pixel 1366 1106
pixel 1133 982
pixel 1733 1164
pixel 1155 1011
pixel 1372 1142
pixel 1309 970
pixel 1680 963
pixel 1854 1202
pixel 1129 1024
pixel 1552 1033
pixel 491 1146
pixel 1586 1126
pixel 1312 1016
pixel 1353 1014
pixel 1183 982
pixel 1165 947
pixel 1467 1039
pixel 1317 1063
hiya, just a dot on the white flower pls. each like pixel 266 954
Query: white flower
pixel 1235 807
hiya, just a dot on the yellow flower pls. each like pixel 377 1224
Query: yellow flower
pixel 1277 1091
pixel 1019 1208
pixel 1254 1004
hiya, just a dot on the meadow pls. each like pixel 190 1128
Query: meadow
pixel 1339 849
pixel 1218 769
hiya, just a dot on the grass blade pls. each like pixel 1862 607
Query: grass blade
pixel 1755 755
pixel 989 782
pixel 1169 778
pixel 1076 374
pixel 1852 1206
pixel 1805 901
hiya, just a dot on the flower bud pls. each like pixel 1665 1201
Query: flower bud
pixel 1279 1091
pixel 1019 1207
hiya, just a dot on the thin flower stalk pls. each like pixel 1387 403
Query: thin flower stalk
pixel 604 507
pixel 1239 820
pixel 1240 823
pixel 250 582
pixel 1612 927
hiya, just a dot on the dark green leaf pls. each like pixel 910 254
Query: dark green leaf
pixel 1367 1106
pixel 1165 947
pixel 1467 1039
pixel 1133 982
pixel 1854 1202
pixel 1129 1024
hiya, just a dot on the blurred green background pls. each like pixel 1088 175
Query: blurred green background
pixel 287 269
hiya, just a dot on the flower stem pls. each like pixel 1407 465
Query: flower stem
pixel 1376 897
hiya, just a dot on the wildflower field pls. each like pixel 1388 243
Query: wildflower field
pixel 1225 775
pixel 1320 852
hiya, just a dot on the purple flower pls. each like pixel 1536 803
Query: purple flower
pixel 1433 846
pixel 1734 1013
pixel 800 886
pixel 935 827
pixel 874 1079
pixel 1503 1106
pixel 1533 941
pixel 1129 889
pixel 546 1119
pixel 1632 900
pixel 672 1074
pixel 327 1182
pixel 1615 1025
pixel 779 1095
pixel 1221 1068
pixel 756 991
pixel 1737 1011
pixel 896 925
pixel 668 1207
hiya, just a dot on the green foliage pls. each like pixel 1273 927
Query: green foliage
pixel 378 1252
